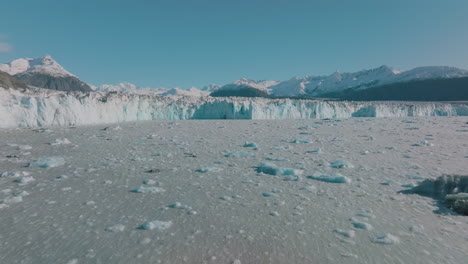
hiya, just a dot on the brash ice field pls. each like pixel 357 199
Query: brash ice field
pixel 232 191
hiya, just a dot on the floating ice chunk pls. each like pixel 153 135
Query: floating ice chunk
pixel 162 154
pixel 144 189
pixel 308 127
pixel 12 200
pixel 73 261
pixel 250 145
pixel 333 178
pixel 309 188
pixel 341 164
pixel 156 225
pixel 48 162
pixel 361 225
pixel 274 213
pixel 424 143
pixel 24 147
pixel 291 178
pixel 24 180
pixel 272 169
pixel 149 182
pixel 386 239
pixel 317 150
pixel 209 169
pixel 15 173
pixel 115 228
pixel 178 205
pixel 300 141
pixel 239 154
pixel 414 177
pixel 276 159
pixel 346 233
pixel 59 141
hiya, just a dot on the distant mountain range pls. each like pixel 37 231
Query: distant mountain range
pixel 382 83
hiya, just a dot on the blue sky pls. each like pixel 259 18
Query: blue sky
pixel 194 43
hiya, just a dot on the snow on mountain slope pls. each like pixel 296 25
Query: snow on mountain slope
pixel 181 92
pixel 248 83
pixel 129 88
pixel 42 107
pixel 261 85
pixel 45 65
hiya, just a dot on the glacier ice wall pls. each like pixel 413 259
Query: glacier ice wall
pixel 33 108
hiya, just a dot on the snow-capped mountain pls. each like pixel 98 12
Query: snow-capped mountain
pixel 44 72
pixel 336 82
pixel 45 65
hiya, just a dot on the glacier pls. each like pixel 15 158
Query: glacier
pixel 42 107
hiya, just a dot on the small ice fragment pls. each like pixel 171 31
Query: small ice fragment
pixel 144 189
pixel 115 228
pixel 156 225
pixel 276 159
pixel 149 182
pixel 178 205
pixel 24 147
pixel 15 173
pixel 250 145
pixel 361 225
pixel 315 151
pixel 332 178
pixel 346 233
pixel 300 141
pixel 239 154
pixel 24 180
pixel 59 141
pixel 386 239
pixel 48 162
pixel 209 169
pixel 273 169
pixel 340 164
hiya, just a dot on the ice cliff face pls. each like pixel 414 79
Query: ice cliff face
pixel 43 107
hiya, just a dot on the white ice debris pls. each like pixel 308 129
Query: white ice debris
pixel 116 228
pixel 340 164
pixel 360 224
pixel 346 233
pixel 273 169
pixel 59 141
pixel 239 154
pixel 332 178
pixel 48 162
pixel 424 143
pixel 300 141
pixel 145 189
pixel 386 239
pixel 15 173
pixel 209 169
pixel 250 145
pixel 24 180
pixel 156 225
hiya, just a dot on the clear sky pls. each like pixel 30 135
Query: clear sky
pixel 194 43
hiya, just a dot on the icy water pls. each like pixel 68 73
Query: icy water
pixel 232 191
